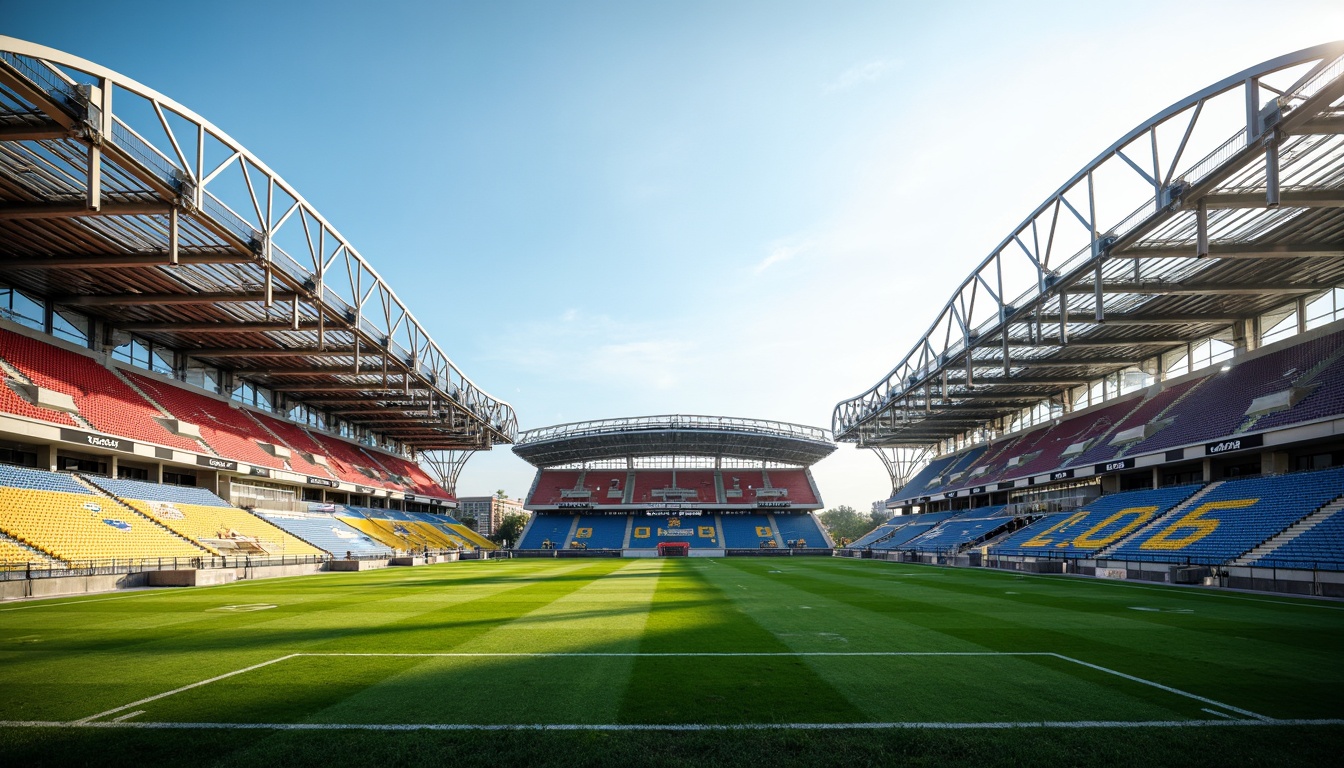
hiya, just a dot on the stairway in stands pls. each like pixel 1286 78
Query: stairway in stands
pixel 1291 532
pixel 163 412
pixel 1172 513
pixel 19 376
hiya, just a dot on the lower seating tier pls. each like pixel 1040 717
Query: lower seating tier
pixel 82 527
pixel 225 530
pixel 327 532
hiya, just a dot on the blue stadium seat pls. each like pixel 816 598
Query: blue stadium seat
pixel 602 531
pixel 1234 518
pixel 1094 526
pixel 546 526
pixel 958 531
pixel 795 527
pixel 746 531
pixel 138 489
pixel 38 480
pixel 327 532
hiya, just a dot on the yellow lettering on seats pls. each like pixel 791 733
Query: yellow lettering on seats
pixel 1141 516
pixel 642 532
pixel 1040 540
pixel 583 533
pixel 764 530
pixel 705 532
pixel 1194 521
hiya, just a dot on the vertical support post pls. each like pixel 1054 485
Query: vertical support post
pixel 1202 229
pixel 1007 361
pixel 1272 170
pixel 1063 317
pixel 93 178
pixel 1252 109
pixel 174 235
pixel 1301 314
pixel 270 277
pixel 1098 296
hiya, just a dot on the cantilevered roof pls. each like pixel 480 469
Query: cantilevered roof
pixel 124 205
pixel 675 435
pixel 1219 208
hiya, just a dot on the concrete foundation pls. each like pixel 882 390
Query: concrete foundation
pixel 71 585
pixel 355 565
pixel 406 560
pixel 192 577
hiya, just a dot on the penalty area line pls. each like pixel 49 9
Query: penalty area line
pixel 1166 688
pixel 156 697
pixel 672 727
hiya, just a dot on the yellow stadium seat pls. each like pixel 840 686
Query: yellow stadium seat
pixel 78 527
pixel 225 530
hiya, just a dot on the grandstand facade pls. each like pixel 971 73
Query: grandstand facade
pixel 1145 379
pixel 697 485
pixel 193 361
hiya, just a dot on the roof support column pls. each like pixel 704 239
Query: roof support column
pixel 174 235
pixel 94 178
pixel 1063 318
pixel 1272 170
pixel 1202 229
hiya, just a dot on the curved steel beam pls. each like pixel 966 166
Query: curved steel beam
pixel 1176 186
pixel 179 174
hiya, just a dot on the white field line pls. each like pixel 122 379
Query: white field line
pixel 128 715
pixel 40 604
pixel 1166 688
pixel 676 726
pixel 690 655
pixel 687 655
pixel 179 690
pixel 1215 712
pixel 1173 590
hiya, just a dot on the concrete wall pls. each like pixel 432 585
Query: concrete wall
pixel 71 585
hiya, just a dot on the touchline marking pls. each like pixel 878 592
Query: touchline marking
pixel 582 654
pixel 1168 689
pixel 1172 591
pixel 596 654
pixel 40 604
pixel 675 726
pixel 128 716
pixel 156 697
pixel 1216 712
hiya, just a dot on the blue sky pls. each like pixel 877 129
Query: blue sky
pixel 729 208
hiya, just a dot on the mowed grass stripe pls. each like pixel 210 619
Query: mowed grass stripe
pixel 1205 651
pixel 607 615
pixel 73 661
pixel 950 688
pixel 691 614
pixel 294 689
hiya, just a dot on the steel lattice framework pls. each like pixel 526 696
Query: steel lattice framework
pixel 122 204
pixel 1219 208
pixel 675 435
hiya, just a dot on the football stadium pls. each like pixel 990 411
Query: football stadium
pixel 230 454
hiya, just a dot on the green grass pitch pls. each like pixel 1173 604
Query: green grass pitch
pixel 764 661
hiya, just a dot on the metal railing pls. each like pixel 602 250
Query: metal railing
pixel 113 566
pixel 674 421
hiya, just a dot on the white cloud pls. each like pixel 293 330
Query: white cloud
pixel 781 252
pixel 597 349
pixel 855 76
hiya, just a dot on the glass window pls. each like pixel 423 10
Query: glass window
pixel 18 307
pixel 71 326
